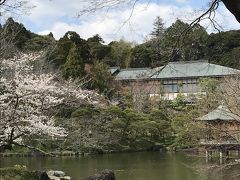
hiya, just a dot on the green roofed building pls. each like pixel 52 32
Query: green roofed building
pixel 133 74
pixel 174 78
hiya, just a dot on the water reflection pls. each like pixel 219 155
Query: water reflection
pixel 128 166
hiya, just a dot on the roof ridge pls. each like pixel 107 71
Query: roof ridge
pixel 185 62
pixel 147 68
pixel 212 63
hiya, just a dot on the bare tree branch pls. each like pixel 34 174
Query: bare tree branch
pixel 33 148
pixel 2 2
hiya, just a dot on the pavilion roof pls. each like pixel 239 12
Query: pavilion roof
pixel 221 113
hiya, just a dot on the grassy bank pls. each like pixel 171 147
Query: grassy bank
pixel 17 173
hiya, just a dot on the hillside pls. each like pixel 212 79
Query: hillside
pixel 74 57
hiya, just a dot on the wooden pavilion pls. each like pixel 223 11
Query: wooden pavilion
pixel 222 131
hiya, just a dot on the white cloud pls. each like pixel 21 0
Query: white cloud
pixel 116 24
pixel 59 17
pixel 182 1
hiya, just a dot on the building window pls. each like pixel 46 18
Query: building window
pixel 175 88
pixel 182 86
pixel 168 88
pixel 185 88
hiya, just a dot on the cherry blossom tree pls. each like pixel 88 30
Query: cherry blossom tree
pixel 28 100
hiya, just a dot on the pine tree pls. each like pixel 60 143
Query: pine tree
pixel 157 35
pixel 158 28
pixel 74 66
pixel 101 78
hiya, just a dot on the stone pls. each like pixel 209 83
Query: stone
pixel 103 175
pixel 50 173
pixel 53 177
pixel 59 173
pixel 66 178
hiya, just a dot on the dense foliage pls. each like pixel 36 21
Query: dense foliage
pixel 14 36
pixel 114 129
pixel 74 66
pixel 165 44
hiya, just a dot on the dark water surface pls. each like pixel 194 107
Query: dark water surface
pixel 127 166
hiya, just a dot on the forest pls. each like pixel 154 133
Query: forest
pixel 220 48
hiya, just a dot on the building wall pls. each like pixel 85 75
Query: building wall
pixel 167 89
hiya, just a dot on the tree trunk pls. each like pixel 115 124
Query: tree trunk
pixel 234 7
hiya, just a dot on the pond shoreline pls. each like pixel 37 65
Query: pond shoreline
pixel 38 154
pixel 74 154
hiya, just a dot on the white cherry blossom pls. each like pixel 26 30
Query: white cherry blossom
pixel 26 100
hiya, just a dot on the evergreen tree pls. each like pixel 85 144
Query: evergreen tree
pixel 74 66
pixel 155 43
pixel 121 52
pixel 189 46
pixel 101 79
pixel 58 55
pixel 96 38
pixel 81 45
pixel 158 28
pixel 98 50
pixel 220 46
pixel 15 33
pixel 142 55
pixel 51 35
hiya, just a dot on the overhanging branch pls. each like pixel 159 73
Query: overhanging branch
pixel 33 148
pixel 234 7
pixel 2 2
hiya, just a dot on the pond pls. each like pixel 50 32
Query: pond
pixel 127 166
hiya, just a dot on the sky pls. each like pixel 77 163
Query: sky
pixel 121 22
